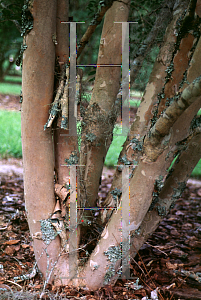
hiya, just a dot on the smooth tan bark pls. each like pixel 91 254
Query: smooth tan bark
pixel 37 146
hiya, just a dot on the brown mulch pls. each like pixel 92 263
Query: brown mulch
pixel 169 263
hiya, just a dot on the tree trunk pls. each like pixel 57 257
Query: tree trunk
pixel 100 117
pixel 37 146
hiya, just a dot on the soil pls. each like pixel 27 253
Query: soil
pixel 168 266
pixel 9 102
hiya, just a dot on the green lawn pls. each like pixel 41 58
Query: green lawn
pixel 12 89
pixel 14 79
pixel 10 137
pixel 9 88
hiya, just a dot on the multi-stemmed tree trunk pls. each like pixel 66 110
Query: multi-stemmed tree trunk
pixel 162 130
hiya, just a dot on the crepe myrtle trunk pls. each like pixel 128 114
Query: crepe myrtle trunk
pixel 37 145
pixel 165 127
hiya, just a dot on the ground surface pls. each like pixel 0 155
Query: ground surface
pixel 170 261
pixel 9 102
pixel 168 265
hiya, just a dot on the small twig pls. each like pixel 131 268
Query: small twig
pixel 14 283
pixel 4 228
pixel 156 247
pixel 148 276
pixel 64 102
pixel 138 266
pixel 19 262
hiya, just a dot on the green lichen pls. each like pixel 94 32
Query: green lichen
pixel 169 101
pixel 96 267
pixel 137 231
pixel 124 160
pixel 116 194
pixel 55 109
pixel 73 159
pixel 21 97
pixel 26 27
pixel 120 168
pixel 48 231
pixel 195 123
pixel 172 204
pixel 169 71
pixel 154 119
pixel 162 210
pixel 184 79
pixel 19 59
pixel 64 122
pixel 137 144
pixel 90 137
pixel 27 18
pixel 109 274
pixel 102 3
pixel 178 191
pixel 115 254
pixel 158 185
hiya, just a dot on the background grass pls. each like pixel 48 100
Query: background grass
pixel 11 85
pixel 14 79
pixel 11 89
pixel 10 137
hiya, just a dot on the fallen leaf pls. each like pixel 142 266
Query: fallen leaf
pixel 9 250
pixel 11 242
pixel 24 246
pixel 199 192
pixel 171 266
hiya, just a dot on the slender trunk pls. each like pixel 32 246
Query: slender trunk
pixel 99 119
pixel 64 145
pixel 37 146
